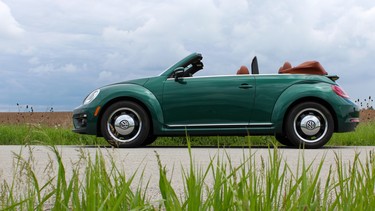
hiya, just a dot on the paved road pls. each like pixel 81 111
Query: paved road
pixel 173 158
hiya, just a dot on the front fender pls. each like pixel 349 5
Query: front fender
pixel 296 93
pixel 135 92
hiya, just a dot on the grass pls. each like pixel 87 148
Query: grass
pixel 100 188
pixel 364 135
pixel 42 135
pixel 268 183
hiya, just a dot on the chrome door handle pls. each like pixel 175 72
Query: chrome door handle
pixel 245 86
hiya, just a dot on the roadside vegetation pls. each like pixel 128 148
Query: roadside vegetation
pixel 54 128
pixel 94 183
pixel 268 184
pixel 32 134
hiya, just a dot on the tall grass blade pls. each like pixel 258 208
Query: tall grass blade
pixel 170 199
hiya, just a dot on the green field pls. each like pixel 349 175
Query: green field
pixel 41 135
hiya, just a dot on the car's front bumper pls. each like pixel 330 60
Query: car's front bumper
pixel 85 120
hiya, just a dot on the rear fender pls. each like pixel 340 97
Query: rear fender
pixel 296 93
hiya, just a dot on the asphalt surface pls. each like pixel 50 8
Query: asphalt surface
pixel 43 160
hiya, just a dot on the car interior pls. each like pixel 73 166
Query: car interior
pixel 192 68
pixel 308 67
pixel 254 68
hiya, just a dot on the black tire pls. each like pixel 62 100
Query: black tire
pixel 309 125
pixel 151 139
pixel 282 139
pixel 125 124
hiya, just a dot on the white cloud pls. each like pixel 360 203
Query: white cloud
pixel 105 75
pixel 34 61
pixel 70 68
pixel 52 69
pixel 110 41
pixel 42 69
pixel 9 27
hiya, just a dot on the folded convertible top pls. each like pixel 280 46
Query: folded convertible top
pixel 309 67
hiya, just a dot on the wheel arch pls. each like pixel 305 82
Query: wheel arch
pixel 291 98
pixel 148 103
pixel 314 100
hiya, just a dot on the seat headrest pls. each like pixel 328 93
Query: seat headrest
pixel 286 66
pixel 309 67
pixel 243 70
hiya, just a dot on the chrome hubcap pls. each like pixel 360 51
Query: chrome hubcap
pixel 124 124
pixel 310 125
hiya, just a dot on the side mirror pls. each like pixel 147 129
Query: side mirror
pixel 178 73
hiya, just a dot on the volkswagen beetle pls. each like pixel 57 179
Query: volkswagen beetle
pixel 301 106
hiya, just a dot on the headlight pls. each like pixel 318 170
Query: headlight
pixel 91 97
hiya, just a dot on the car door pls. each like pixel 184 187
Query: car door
pixel 208 101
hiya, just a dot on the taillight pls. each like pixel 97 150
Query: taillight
pixel 340 92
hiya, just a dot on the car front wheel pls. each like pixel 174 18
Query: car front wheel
pixel 282 139
pixel 309 125
pixel 125 124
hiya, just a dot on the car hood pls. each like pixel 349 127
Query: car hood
pixel 140 82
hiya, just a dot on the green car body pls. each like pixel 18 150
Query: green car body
pixel 175 104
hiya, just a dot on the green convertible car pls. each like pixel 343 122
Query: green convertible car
pixel 301 106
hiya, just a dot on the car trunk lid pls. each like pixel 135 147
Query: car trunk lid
pixel 334 78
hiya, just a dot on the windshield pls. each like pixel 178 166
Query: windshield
pixel 191 65
pixel 166 70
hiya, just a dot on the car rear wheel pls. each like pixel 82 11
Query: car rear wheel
pixel 125 124
pixel 309 125
pixel 151 139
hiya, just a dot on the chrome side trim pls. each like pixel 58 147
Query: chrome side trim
pixel 224 125
pixel 210 76
pixel 261 124
pixel 235 75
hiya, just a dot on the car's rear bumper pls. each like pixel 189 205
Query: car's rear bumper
pixel 349 126
pixel 347 116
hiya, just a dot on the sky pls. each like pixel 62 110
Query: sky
pixel 53 53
